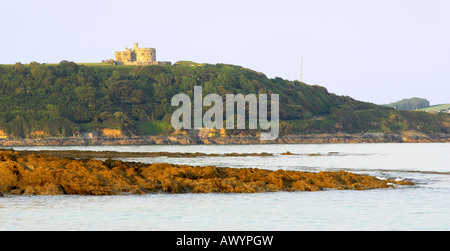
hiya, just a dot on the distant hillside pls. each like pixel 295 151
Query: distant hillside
pixel 437 108
pixel 410 104
pixel 69 99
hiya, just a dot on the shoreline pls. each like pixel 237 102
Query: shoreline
pixel 32 173
pixel 230 140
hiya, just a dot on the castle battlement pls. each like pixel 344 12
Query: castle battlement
pixel 138 56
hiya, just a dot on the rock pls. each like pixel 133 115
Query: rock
pixel 47 189
pixel 114 137
pixel 16 191
pixel 4 188
pixel 1 194
pixel 33 173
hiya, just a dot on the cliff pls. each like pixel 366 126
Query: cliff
pixel 29 173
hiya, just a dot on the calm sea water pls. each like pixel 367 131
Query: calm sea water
pixel 425 206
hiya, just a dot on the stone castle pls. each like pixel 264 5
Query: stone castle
pixel 138 56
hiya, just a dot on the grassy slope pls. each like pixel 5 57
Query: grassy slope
pixel 436 108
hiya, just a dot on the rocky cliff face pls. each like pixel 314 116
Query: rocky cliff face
pixel 35 174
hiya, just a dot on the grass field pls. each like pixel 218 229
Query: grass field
pixel 86 64
pixel 97 65
pixel 436 108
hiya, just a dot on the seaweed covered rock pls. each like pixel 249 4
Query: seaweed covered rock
pixel 44 175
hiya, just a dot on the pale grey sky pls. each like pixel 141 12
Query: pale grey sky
pixel 372 50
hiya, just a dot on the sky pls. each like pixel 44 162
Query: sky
pixel 377 51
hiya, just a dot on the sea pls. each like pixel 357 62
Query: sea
pixel 422 207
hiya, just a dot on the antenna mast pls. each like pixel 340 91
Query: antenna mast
pixel 301 67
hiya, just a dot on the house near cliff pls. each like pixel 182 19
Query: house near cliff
pixel 138 56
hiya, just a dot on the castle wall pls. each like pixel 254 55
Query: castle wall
pixel 136 56
pixel 124 56
pixel 145 55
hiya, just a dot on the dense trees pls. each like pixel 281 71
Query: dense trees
pixel 410 104
pixel 67 99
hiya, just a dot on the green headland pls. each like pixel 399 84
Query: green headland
pixel 73 99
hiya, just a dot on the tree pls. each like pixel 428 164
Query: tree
pixel 86 94
pixel 410 104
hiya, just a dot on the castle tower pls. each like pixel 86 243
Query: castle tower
pixel 144 55
pixel 138 56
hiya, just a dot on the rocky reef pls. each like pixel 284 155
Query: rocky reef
pixel 87 154
pixel 34 174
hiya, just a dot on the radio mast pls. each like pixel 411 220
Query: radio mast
pixel 301 67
